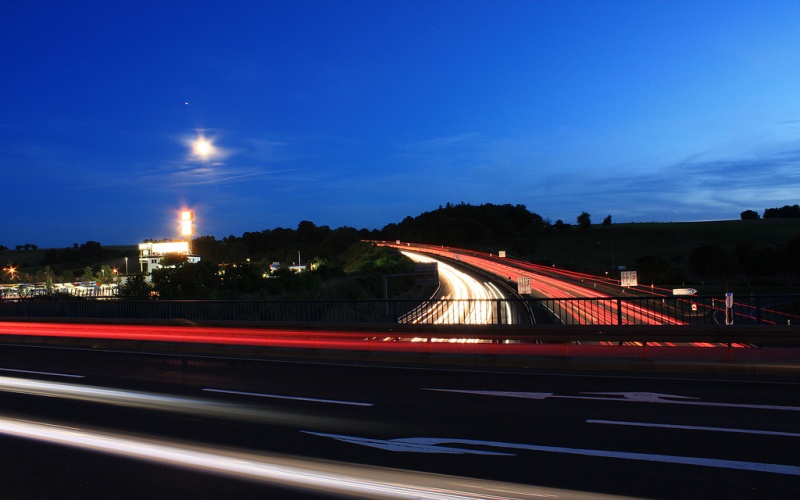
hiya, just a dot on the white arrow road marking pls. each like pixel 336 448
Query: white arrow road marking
pixel 431 445
pixel 629 397
pixel 695 428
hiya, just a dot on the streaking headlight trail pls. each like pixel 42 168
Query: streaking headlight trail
pixel 311 475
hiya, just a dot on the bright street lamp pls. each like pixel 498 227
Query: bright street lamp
pixel 11 270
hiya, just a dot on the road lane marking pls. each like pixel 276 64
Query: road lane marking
pixel 42 373
pixel 430 445
pixel 294 398
pixel 695 428
pixel 629 397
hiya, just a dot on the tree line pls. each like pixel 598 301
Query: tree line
pixel 357 275
pixel 746 262
pixel 784 212
pixel 340 265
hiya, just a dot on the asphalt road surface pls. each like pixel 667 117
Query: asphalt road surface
pixel 99 424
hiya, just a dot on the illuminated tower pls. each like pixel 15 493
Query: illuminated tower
pixel 187 226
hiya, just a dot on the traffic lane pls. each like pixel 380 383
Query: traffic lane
pixel 558 443
pixel 350 385
pixel 515 437
pixel 718 429
pixel 254 462
pixel 513 460
pixel 491 419
pixel 322 378
pixel 352 382
pixel 255 475
pixel 763 436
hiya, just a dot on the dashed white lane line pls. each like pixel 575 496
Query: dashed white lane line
pixel 294 398
pixel 30 372
pixel 695 428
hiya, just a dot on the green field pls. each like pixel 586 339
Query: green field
pixel 605 248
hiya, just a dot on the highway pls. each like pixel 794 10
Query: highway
pixel 101 424
pixel 466 297
pixel 544 285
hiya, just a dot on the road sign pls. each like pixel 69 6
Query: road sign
pixel 684 291
pixel 628 278
pixel 524 285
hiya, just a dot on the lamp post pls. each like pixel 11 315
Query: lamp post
pixel 126 266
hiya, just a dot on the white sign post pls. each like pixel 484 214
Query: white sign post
pixel 729 308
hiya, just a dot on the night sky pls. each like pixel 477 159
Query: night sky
pixel 360 113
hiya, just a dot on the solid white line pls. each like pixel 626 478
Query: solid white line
pixel 695 428
pixel 295 398
pixel 626 397
pixel 42 373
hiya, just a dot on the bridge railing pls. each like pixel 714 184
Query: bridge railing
pixel 621 311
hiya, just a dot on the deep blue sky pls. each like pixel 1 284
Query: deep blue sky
pixel 360 113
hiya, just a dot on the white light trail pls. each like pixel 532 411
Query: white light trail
pixel 309 475
pixel 157 402
pixel 471 302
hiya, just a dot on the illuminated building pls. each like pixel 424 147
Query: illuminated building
pixel 152 253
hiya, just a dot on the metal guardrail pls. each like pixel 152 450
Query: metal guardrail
pixel 620 311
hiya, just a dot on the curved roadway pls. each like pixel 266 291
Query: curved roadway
pixel 601 312
pixel 463 298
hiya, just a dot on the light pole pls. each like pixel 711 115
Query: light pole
pixel 298 259
pixel 126 266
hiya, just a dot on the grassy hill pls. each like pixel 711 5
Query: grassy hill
pixel 604 248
